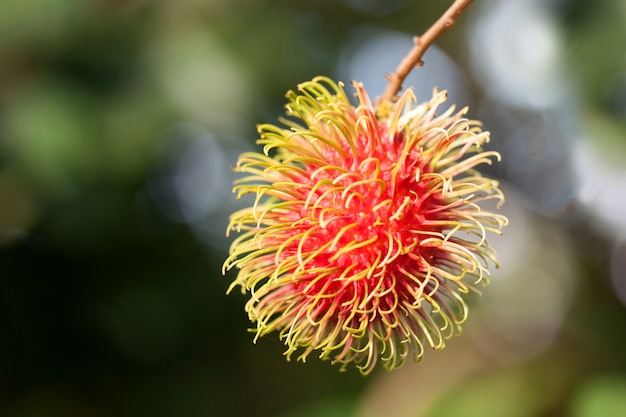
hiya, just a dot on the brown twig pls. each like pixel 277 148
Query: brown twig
pixel 414 57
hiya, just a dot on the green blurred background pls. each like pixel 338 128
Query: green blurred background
pixel 120 119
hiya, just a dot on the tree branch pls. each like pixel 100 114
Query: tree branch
pixel 414 57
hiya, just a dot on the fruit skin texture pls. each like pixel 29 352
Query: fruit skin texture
pixel 366 231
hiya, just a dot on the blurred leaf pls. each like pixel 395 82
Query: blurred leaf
pixel 521 391
pixel 602 396
pixel 198 73
pixel 50 130
pixel 594 41
pixel 41 19
pixel 607 135
pixel 132 123
pixel 495 395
